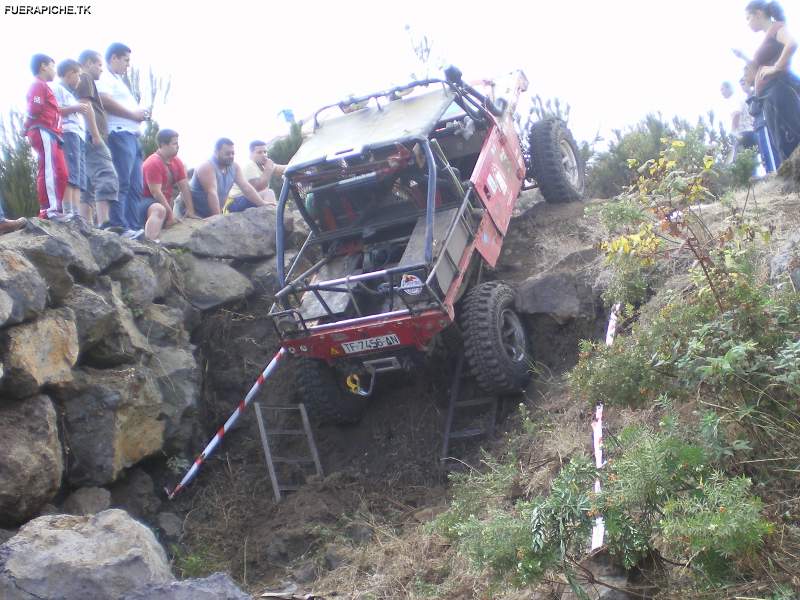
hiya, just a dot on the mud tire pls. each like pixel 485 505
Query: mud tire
pixel 556 162
pixel 487 313
pixel 325 401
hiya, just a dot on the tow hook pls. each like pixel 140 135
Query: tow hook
pixel 353 382
pixel 372 367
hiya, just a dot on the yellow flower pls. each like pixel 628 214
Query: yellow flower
pixel 708 161
pixel 678 144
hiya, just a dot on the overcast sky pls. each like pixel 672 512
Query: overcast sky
pixel 235 64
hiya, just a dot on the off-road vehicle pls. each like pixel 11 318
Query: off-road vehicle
pixel 408 195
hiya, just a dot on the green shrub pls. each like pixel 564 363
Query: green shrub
pixel 472 492
pixel 17 170
pixel 718 521
pixel 660 491
pixel 609 172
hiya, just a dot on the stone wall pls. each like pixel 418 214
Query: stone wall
pixel 97 368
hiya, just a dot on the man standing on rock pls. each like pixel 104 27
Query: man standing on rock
pixel 162 172
pixel 124 117
pixel 102 185
pixel 258 171
pixel 213 180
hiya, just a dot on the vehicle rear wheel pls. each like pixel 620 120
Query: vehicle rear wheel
pixel 318 389
pixel 495 343
pixel 556 162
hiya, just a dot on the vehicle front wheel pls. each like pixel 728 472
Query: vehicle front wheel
pixel 325 401
pixel 556 162
pixel 495 342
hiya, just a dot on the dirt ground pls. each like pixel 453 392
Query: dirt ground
pixel 357 532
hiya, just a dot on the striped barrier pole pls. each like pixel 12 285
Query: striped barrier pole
pixel 212 445
pixel 599 529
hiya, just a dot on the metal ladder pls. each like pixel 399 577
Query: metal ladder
pixel 455 404
pixel 312 458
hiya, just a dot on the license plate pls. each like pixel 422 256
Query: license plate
pixel 374 343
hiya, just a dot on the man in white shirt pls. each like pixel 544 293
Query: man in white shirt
pixel 258 172
pixel 124 117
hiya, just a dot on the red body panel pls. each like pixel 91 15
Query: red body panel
pixel 413 330
pixel 499 174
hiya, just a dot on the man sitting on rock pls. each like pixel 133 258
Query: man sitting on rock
pixel 258 171
pixel 162 172
pixel 213 180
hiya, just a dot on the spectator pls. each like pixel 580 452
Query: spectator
pixel 73 125
pixel 212 181
pixel 774 85
pixel 741 122
pixel 162 171
pixel 102 183
pixel 258 171
pixel 124 117
pixel 43 128
pixel 759 123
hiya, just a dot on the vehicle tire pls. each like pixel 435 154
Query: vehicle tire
pixel 556 162
pixel 495 343
pixel 325 401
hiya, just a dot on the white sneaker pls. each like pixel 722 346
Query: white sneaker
pixel 133 234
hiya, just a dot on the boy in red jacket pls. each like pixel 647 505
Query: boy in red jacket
pixel 43 128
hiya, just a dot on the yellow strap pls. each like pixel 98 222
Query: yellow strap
pixel 227 205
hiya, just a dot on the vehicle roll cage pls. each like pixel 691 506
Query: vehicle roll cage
pixel 475 105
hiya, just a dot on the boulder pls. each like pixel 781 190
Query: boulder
pixel 248 234
pixel 108 248
pixel 170 525
pixel 563 296
pixel 40 353
pixel 124 343
pixel 112 419
pixel 52 258
pixel 210 283
pixel 165 270
pixel 218 586
pixel 59 251
pixel 94 316
pixel 179 379
pixel 87 501
pixel 30 463
pixel 192 317
pixel 178 235
pixel 136 493
pixel 6 534
pixel 106 555
pixel 787 261
pixel 23 291
pixel 139 283
pixel 163 325
pixel 262 275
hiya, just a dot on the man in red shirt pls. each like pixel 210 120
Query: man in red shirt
pixel 162 171
pixel 43 128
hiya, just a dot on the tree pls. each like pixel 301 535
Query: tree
pixel 284 148
pixel 17 169
pixel 155 90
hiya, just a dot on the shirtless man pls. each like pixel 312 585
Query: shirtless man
pixel 212 182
